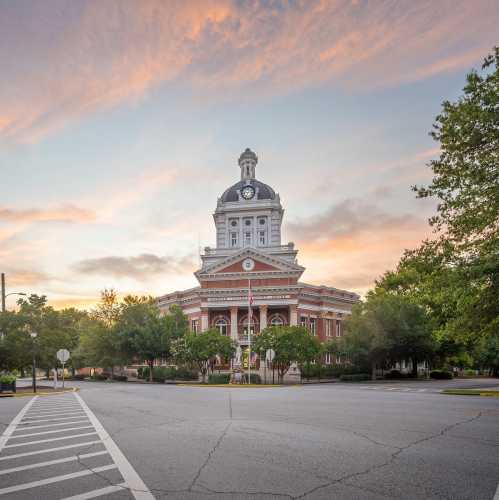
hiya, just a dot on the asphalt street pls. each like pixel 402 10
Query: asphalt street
pixel 346 441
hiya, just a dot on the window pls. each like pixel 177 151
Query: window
pixel 221 326
pixel 233 223
pixel 327 325
pixel 312 326
pixel 262 222
pixel 247 238
pixel 194 325
pixel 247 222
pixel 327 358
pixel 303 321
pixel 338 360
pixel 233 239
pixel 261 237
pixel 276 320
pixel 338 328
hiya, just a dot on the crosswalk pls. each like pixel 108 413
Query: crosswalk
pixel 56 448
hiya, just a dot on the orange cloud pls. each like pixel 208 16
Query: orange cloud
pixel 67 213
pixel 353 243
pixel 94 55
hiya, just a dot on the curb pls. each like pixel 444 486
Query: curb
pixel 238 386
pixel 471 392
pixel 31 394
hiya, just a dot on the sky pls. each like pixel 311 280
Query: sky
pixel 121 122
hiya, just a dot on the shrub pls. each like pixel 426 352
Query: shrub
pixel 255 378
pixel 356 377
pixel 441 375
pixel 79 376
pixel 396 374
pixel 98 376
pixel 219 378
pixel 120 378
pixel 183 373
pixel 7 379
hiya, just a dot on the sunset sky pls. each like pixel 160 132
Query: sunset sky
pixel 121 123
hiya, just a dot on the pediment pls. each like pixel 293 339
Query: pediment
pixel 262 263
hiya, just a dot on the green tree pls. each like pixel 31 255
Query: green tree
pixel 455 276
pixel 201 349
pixel 143 331
pixel 290 344
pixel 487 354
pixel 386 329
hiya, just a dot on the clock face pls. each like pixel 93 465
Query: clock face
pixel 248 264
pixel 248 192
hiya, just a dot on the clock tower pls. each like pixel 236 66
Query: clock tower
pixel 248 219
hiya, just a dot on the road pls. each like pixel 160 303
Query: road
pixel 343 441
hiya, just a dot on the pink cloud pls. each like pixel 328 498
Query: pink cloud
pixel 65 63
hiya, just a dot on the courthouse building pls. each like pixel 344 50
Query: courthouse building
pixel 248 249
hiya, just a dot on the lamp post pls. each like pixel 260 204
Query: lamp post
pixel 33 336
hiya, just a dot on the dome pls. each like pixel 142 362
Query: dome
pixel 264 192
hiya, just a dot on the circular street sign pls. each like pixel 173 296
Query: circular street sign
pixel 62 355
pixel 270 355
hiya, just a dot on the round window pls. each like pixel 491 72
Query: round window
pixel 262 221
pixel 233 223
pixel 248 222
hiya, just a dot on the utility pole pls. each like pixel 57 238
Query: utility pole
pixel 3 292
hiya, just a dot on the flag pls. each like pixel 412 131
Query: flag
pixel 250 294
pixel 250 303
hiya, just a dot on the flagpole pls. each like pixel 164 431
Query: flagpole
pixel 249 331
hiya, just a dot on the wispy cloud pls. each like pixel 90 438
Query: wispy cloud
pixel 138 267
pixel 353 242
pixel 67 213
pixel 93 55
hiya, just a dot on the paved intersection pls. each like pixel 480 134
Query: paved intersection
pixel 341 441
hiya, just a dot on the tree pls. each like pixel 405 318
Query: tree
pixel 455 276
pixel 386 329
pixel 290 344
pixel 202 348
pixel 487 354
pixel 143 331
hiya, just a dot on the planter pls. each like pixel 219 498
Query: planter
pixel 7 387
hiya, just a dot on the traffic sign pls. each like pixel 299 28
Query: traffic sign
pixel 270 355
pixel 62 355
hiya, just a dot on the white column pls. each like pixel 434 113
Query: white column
pixel 204 319
pixel 293 315
pixel 263 317
pixel 233 323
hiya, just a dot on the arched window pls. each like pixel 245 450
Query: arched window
pixel 222 326
pixel 254 325
pixel 276 320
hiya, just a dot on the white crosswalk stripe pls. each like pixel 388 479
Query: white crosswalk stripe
pixel 64 418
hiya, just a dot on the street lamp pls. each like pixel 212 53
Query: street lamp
pixel 33 336
pixel 11 293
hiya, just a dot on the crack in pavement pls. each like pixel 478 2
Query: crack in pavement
pixel 210 454
pixel 393 456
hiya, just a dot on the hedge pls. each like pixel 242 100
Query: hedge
pixel 327 371
pixel 162 373
pixel 219 378
pixel 356 377
pixel 441 375
pixel 255 378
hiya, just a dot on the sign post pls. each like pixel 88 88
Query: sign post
pixel 62 356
